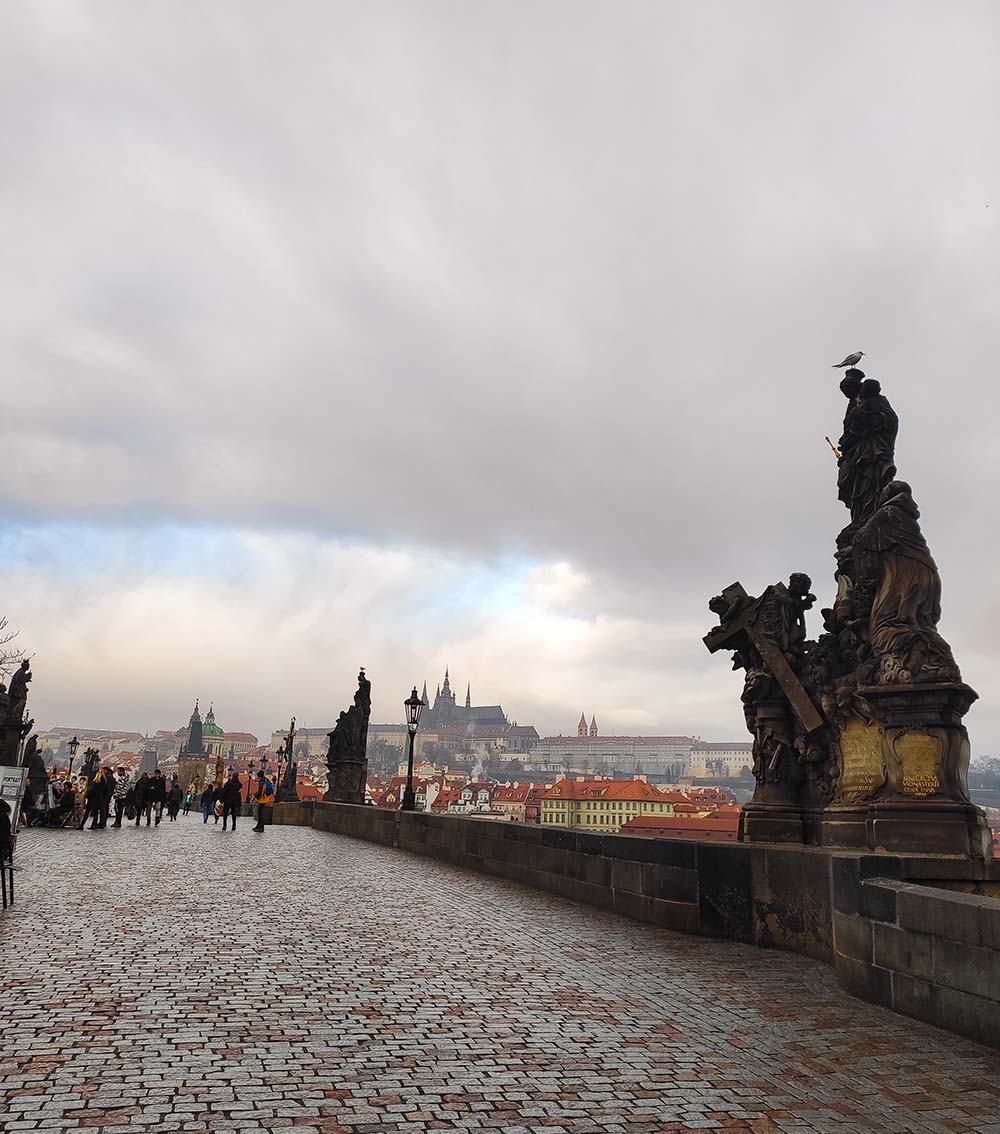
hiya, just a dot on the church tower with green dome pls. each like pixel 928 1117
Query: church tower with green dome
pixel 211 734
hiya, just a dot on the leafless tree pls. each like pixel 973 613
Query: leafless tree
pixel 10 658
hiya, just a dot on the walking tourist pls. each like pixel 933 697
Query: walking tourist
pixel 263 797
pixel 174 797
pixel 143 800
pixel 122 789
pixel 158 794
pixel 107 794
pixel 207 802
pixel 94 800
pixel 188 800
pixel 232 797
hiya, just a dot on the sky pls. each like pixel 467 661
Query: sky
pixel 491 336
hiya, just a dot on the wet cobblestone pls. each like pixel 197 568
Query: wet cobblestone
pixel 184 979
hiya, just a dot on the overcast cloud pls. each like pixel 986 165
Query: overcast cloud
pixel 483 334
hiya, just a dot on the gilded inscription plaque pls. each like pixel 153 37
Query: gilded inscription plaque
pixel 918 752
pixel 863 766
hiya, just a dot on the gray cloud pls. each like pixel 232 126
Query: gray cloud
pixel 560 282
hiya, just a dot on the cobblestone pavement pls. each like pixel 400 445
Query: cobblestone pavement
pixel 184 979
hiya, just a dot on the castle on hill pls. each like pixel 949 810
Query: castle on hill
pixel 445 709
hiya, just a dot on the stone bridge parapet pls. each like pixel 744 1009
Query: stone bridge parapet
pixel 898 930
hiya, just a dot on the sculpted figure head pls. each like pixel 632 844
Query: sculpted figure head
pixel 850 384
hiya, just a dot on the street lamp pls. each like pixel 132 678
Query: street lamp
pixel 74 744
pixel 253 764
pixel 279 759
pixel 413 705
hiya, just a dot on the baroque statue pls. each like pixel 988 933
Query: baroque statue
pixel 13 703
pixel 858 739
pixel 347 755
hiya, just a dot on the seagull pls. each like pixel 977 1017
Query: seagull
pixel 851 360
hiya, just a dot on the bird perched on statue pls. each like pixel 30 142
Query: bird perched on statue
pixel 851 360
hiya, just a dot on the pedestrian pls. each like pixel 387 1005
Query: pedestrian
pixel 93 802
pixel 232 798
pixel 107 794
pixel 157 794
pixel 122 789
pixel 143 802
pixel 207 802
pixel 174 796
pixel 263 797
pixel 130 803
pixel 188 800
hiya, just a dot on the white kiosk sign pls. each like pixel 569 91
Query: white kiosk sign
pixel 11 790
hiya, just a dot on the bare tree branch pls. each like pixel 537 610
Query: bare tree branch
pixel 9 659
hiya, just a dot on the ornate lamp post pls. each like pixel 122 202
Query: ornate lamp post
pixel 253 764
pixel 279 759
pixel 413 706
pixel 74 744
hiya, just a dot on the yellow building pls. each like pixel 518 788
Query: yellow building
pixel 602 805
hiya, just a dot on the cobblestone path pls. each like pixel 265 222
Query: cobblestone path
pixel 184 979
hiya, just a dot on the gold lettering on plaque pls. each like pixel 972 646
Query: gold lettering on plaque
pixel 918 752
pixel 863 766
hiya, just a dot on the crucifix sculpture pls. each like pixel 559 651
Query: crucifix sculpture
pixel 742 619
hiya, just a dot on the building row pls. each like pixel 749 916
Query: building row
pixel 595 804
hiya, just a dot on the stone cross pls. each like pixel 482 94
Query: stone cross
pixel 738 626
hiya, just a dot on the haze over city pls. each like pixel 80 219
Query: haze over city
pixel 476 336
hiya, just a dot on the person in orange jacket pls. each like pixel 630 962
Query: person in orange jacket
pixel 263 796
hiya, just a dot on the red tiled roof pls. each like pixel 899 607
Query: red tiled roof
pixel 626 790
pixel 723 828
pixel 444 798
pixel 511 794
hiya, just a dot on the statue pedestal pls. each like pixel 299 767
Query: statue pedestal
pixel 347 781
pixel 774 815
pixel 762 822
pixel 903 774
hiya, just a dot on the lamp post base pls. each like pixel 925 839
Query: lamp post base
pixel 409 800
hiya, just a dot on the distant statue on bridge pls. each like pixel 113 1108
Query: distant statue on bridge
pixel 347 756
pixel 13 702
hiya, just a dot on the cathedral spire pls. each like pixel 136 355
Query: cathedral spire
pixel 423 695
pixel 581 728
pixel 593 726
pixel 194 743
pixel 468 696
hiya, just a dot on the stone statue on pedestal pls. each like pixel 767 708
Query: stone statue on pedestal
pixel 347 756
pixel 38 777
pixel 13 703
pixel 858 740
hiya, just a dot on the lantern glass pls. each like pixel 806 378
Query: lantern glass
pixel 413 705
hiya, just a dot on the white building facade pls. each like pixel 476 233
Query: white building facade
pixel 719 760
